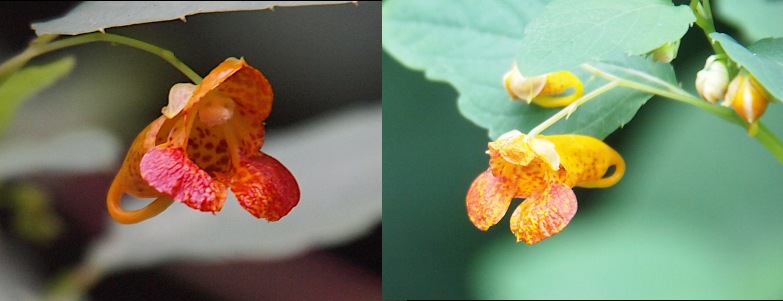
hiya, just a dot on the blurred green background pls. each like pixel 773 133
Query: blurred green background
pixel 697 214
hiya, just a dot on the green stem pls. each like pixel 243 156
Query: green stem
pixel 764 135
pixel 770 141
pixel 704 20
pixel 566 111
pixel 40 47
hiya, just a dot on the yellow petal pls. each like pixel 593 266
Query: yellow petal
pixel 585 161
pixel 557 83
pixel 547 151
pixel 520 87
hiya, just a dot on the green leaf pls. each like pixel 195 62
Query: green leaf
pixel 763 59
pixel 571 32
pixel 453 48
pixel 98 15
pixel 26 82
pixel 755 18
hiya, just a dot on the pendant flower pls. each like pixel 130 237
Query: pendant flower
pixel 543 170
pixel 208 139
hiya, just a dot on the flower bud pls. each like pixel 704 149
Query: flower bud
pixel 711 82
pixel 667 52
pixel 538 89
pixel 520 87
pixel 748 98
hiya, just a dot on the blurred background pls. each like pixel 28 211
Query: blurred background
pixel 323 63
pixel 697 214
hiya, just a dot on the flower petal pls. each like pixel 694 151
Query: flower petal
pixel 585 161
pixel 179 95
pixel 488 199
pixel 557 83
pixel 129 175
pixel 263 186
pixel 169 171
pixel 544 213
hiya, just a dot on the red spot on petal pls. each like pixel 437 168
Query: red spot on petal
pixel 169 171
pixel 488 199
pixel 264 187
pixel 544 213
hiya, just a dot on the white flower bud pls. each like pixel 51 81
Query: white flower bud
pixel 711 82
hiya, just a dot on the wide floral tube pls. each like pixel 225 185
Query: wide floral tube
pixel 542 170
pixel 208 140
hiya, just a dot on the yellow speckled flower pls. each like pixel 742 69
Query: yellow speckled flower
pixel 543 170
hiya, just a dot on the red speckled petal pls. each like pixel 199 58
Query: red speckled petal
pixel 169 171
pixel 263 186
pixel 544 213
pixel 488 199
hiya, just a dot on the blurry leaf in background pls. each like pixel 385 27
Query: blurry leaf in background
pixel 33 217
pixel 763 59
pixel 98 15
pixel 571 32
pixel 26 82
pixel 336 161
pixel 756 19
pixel 78 150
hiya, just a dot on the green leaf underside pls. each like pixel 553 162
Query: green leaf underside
pixel 571 32
pixel 473 51
pixel 98 15
pixel 26 82
pixel 763 59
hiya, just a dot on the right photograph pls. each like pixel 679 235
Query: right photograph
pixel 590 149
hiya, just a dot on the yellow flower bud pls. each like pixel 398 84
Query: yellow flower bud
pixel 748 98
pixel 520 87
pixel 711 82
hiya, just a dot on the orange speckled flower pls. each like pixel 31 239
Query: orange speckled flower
pixel 543 170
pixel 209 138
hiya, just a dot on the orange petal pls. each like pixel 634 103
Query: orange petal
pixel 488 199
pixel 544 213
pixel 169 171
pixel 235 79
pixel 129 176
pixel 263 186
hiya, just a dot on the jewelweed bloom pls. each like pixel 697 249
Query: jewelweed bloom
pixel 542 170
pixel 538 89
pixel 208 139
